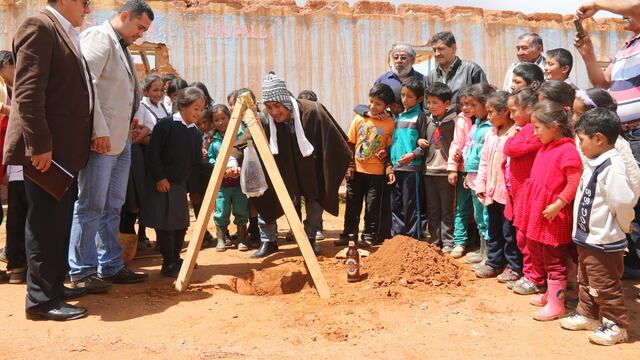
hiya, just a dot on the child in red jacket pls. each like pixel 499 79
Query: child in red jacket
pixel 545 203
pixel 521 151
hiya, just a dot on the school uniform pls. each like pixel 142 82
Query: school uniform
pixel 171 154
pixel 148 115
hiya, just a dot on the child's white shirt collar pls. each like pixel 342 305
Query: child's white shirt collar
pixel 178 117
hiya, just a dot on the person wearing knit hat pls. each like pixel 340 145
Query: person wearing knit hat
pixel 312 155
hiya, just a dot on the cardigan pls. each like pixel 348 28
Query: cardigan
pixel 521 150
pixel 491 179
pixel 460 135
pixel 555 175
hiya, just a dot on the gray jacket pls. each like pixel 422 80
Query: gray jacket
pixel 462 73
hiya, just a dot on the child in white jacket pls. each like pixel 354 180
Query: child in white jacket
pixel 603 211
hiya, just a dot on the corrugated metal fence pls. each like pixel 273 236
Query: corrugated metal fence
pixel 335 50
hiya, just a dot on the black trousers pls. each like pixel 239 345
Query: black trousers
pixel 503 247
pixel 405 204
pixel 439 209
pixel 386 219
pixel 16 220
pixel 170 243
pixel 370 188
pixel 47 232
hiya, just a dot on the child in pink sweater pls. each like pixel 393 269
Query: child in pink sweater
pixel 521 151
pixel 457 173
pixel 546 204
pixel 504 259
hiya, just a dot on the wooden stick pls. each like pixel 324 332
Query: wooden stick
pixel 209 201
pixel 310 259
pixel 243 103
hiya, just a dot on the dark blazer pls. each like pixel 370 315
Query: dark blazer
pixel 317 176
pixel 50 109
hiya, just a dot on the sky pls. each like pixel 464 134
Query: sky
pixel 553 6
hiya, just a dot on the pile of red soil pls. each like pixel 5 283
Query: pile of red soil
pixel 411 263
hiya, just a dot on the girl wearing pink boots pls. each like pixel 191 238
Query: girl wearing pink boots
pixel 521 150
pixel 546 202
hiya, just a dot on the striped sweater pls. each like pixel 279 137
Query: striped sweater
pixel 405 140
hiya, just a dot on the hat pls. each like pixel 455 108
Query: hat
pixel 275 89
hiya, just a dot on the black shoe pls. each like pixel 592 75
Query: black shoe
pixel 342 241
pixel 91 284
pixel 363 243
pixel 126 276
pixel 266 248
pixel 290 237
pixel 207 241
pixel 70 293
pixel 143 242
pixel 171 270
pixel 59 312
pixel 315 247
pixel 3 276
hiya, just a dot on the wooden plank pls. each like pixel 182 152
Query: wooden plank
pixel 209 201
pixel 310 259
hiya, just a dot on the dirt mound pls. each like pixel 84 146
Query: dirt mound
pixel 411 263
pixel 287 278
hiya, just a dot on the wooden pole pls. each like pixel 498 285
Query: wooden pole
pixel 244 103
pixel 310 259
pixel 209 201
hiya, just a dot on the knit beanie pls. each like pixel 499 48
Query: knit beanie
pixel 274 89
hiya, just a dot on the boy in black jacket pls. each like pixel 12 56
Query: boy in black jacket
pixel 436 134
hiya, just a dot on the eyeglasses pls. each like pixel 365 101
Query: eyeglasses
pixel 86 3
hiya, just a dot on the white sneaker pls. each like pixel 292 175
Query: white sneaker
pixel 457 252
pixel 319 235
pixel 576 322
pixel 608 334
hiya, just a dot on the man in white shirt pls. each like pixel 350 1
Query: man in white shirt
pixel 52 94
pixel 94 251
pixel 528 49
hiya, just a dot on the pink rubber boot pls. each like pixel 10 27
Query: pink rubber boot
pixel 539 300
pixel 554 309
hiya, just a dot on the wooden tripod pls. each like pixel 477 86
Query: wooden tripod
pixel 245 108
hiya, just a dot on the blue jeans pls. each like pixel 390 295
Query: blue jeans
pixel 313 223
pixel 632 259
pixel 480 215
pixel 94 247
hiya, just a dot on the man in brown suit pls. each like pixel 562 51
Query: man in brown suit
pixel 51 120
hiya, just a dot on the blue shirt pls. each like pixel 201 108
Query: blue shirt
pixel 395 83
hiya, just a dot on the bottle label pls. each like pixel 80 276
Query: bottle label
pixel 352 267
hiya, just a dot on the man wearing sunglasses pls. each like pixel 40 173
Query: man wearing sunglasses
pixel 50 120
pixel 401 59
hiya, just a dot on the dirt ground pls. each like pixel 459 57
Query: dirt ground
pixel 478 318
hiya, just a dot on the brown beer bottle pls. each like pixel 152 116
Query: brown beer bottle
pixel 353 263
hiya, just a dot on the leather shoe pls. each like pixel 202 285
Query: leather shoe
pixel 266 248
pixel 92 284
pixel 126 276
pixel 315 247
pixel 59 312
pixel 74 293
